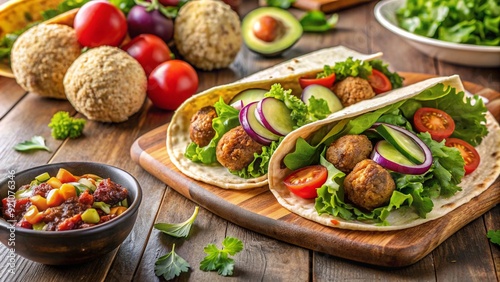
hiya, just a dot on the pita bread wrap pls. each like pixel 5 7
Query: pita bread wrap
pixel 472 185
pixel 286 74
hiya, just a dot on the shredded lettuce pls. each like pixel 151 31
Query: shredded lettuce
pixel 459 21
pixel 363 69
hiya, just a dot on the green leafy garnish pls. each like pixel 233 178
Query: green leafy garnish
pixel 178 230
pixel 171 265
pixel 64 126
pixel 459 21
pixel 363 69
pixel 36 143
pixel 494 236
pixel 316 21
pixel 283 4
pixel 219 259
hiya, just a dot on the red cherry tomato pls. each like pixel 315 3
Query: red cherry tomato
pixel 149 50
pixel 379 82
pixel 100 23
pixel 439 124
pixel 324 81
pixel 171 83
pixel 468 152
pixel 303 182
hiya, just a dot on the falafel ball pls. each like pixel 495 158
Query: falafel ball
pixel 345 152
pixel 369 185
pixel 236 148
pixel 352 90
pixel 106 84
pixel 207 34
pixel 201 131
pixel 41 56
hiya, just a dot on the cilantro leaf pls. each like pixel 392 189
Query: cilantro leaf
pixel 316 21
pixel 171 265
pixel 494 236
pixel 178 230
pixel 36 143
pixel 219 259
pixel 283 4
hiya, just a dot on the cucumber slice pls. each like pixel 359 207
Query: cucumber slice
pixel 320 92
pixel 386 150
pixel 248 96
pixel 43 177
pixel 399 138
pixel 274 115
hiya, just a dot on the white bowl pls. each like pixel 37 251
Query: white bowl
pixel 463 54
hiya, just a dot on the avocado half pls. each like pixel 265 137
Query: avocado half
pixel 290 36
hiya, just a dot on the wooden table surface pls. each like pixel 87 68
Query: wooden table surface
pixel 465 256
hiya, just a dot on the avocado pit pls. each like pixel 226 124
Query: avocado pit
pixel 268 28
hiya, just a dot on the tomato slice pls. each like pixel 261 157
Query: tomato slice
pixel 438 123
pixel 324 81
pixel 469 153
pixel 303 182
pixel 379 82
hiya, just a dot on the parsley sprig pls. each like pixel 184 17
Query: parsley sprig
pixel 494 236
pixel 178 230
pixel 218 259
pixel 171 265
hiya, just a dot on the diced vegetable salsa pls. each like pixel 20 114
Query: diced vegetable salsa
pixel 65 202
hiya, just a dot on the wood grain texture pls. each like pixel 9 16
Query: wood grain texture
pixel 326 6
pixel 258 210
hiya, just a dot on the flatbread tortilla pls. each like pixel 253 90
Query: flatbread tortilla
pixel 286 74
pixel 472 185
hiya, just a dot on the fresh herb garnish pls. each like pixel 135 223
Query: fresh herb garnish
pixel 283 4
pixel 494 236
pixel 36 143
pixel 219 259
pixel 64 126
pixel 178 230
pixel 171 265
pixel 316 21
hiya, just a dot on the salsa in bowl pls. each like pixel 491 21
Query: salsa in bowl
pixel 90 220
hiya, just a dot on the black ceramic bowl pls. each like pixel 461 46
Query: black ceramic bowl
pixel 72 246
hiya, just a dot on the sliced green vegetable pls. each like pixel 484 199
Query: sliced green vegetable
pixel 43 177
pixel 178 230
pixel 404 144
pixel 103 206
pixel 91 216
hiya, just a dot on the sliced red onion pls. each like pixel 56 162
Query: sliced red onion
pixel 252 127
pixel 403 168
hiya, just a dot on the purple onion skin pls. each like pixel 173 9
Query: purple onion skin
pixel 140 21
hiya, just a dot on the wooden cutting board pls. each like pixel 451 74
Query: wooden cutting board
pixel 258 210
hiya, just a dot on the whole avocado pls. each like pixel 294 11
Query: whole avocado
pixel 270 31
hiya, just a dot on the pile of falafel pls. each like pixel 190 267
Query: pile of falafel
pixel 104 83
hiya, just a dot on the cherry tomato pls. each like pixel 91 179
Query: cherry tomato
pixel 468 152
pixel 379 82
pixel 324 81
pixel 439 124
pixel 149 50
pixel 303 182
pixel 171 83
pixel 100 23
